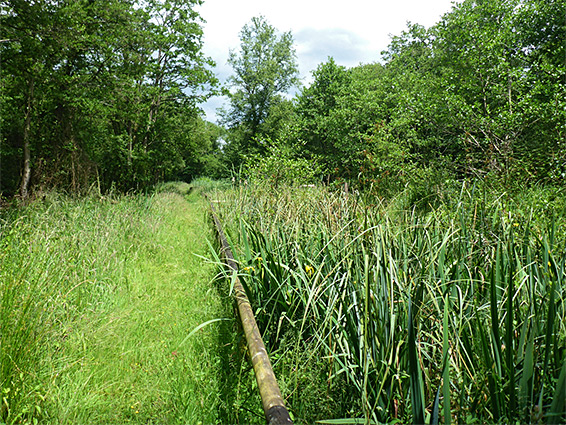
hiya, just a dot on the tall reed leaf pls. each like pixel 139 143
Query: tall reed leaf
pixel 557 413
pixel 417 391
pixel 446 361
pixel 510 329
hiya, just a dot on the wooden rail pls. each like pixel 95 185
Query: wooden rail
pixel 273 405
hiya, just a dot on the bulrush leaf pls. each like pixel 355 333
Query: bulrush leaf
pixel 406 307
pixel 415 373
pixel 557 411
pixel 510 328
pixel 446 361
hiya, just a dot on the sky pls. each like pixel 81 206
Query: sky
pixel 352 31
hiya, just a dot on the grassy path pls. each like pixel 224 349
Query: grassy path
pixel 131 361
pixel 97 301
pixel 99 298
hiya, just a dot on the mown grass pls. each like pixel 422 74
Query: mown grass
pixel 97 299
pixel 386 312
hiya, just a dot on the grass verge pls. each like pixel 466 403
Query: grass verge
pixel 98 298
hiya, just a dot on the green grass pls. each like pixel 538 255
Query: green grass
pixel 97 299
pixel 374 309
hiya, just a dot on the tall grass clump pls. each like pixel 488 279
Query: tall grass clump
pixel 59 259
pixel 452 313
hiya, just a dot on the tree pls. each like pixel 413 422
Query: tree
pixel 541 31
pixel 169 77
pixel 25 66
pixel 91 88
pixel 413 108
pixel 264 69
pixel 315 106
pixel 339 114
pixel 502 67
pixel 482 91
pixel 177 69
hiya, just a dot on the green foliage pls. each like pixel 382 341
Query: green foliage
pixel 470 85
pixel 464 299
pixel 265 67
pixel 481 93
pixel 319 132
pixel 280 166
pixel 384 168
pixel 492 80
pixel 98 91
pixel 108 92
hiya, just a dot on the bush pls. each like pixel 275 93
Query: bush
pixel 281 166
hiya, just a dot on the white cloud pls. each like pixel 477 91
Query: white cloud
pixel 354 32
pixel 345 46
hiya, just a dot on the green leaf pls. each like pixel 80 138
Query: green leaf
pixel 558 406
pixel 202 325
pixel 446 361
pixel 417 391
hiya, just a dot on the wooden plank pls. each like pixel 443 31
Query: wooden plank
pixel 273 405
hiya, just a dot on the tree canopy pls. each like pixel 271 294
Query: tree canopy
pixel 480 93
pixel 102 91
pixel 265 68
pixel 108 92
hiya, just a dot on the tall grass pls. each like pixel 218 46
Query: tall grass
pixel 455 314
pixel 97 299
pixel 48 276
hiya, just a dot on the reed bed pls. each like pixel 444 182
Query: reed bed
pixel 454 314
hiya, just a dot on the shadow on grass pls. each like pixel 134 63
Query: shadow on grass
pixel 240 395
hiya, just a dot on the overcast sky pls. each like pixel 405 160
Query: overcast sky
pixel 352 32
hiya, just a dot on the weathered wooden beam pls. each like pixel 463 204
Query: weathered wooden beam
pixel 273 405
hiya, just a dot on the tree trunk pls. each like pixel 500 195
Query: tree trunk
pixel 26 172
pixel 156 101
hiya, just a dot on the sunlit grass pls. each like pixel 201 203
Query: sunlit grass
pixel 97 299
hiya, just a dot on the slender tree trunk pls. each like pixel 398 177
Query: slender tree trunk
pixel 130 150
pixel 75 166
pixel 26 172
pixel 153 110
pixel 156 101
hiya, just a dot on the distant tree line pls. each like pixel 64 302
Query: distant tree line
pixel 107 93
pixel 102 92
pixel 481 93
